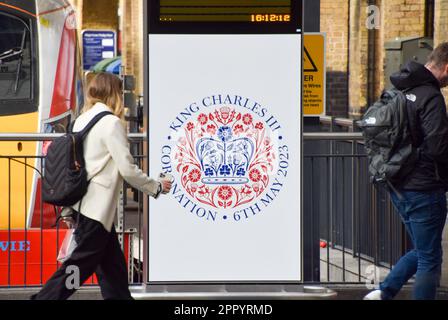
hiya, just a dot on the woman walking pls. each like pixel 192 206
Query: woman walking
pixel 108 162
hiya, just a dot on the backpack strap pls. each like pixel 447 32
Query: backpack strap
pixel 70 127
pixel 92 123
pixel 411 128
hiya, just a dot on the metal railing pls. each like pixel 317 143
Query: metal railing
pixel 39 137
pixel 349 224
pixel 355 227
pixel 29 237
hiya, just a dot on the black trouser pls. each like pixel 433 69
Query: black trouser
pixel 98 251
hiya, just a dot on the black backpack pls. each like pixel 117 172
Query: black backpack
pixel 65 177
pixel 389 139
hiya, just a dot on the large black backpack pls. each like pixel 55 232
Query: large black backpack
pixel 65 177
pixel 389 139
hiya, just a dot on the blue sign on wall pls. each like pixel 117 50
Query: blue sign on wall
pixel 97 46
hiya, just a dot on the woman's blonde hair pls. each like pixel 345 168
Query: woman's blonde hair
pixel 107 89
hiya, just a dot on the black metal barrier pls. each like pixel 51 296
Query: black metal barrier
pixel 349 225
pixel 30 239
pixel 352 229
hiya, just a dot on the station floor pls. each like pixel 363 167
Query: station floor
pixel 348 292
pixel 340 261
pixel 344 292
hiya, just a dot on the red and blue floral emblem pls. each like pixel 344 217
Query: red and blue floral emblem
pixel 225 158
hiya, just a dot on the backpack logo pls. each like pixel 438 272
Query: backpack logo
pixel 411 97
pixel 371 121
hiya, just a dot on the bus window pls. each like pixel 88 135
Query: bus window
pixel 16 66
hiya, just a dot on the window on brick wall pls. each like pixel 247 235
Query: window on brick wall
pixel 429 18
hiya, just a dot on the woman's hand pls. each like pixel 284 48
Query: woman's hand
pixel 166 186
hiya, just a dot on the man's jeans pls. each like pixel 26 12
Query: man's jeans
pixel 424 214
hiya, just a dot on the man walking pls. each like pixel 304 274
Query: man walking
pixel 420 198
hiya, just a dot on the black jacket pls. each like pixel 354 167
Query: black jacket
pixel 429 124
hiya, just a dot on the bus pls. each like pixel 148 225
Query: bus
pixel 40 92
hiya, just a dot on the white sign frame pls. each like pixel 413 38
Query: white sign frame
pixel 175 276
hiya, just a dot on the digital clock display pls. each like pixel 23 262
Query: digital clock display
pixel 271 17
pixel 251 11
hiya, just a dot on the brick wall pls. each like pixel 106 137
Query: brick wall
pixel 132 11
pixel 358 57
pixel 441 22
pixel 103 14
pixel 334 21
pixel 100 14
pixel 348 47
pixel 441 28
pixel 403 18
pixel 347 41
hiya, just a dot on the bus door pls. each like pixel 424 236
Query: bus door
pixel 18 113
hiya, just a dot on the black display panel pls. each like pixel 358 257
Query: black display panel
pixel 225 16
pixel 225 11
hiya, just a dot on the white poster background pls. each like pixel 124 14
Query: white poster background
pixel 184 69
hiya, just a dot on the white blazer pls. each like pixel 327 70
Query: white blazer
pixel 108 162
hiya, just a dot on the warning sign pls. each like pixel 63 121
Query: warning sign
pixel 309 65
pixel 314 75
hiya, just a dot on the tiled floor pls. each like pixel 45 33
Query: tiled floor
pixel 356 270
pixel 353 267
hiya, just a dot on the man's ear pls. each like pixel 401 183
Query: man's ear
pixel 445 69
